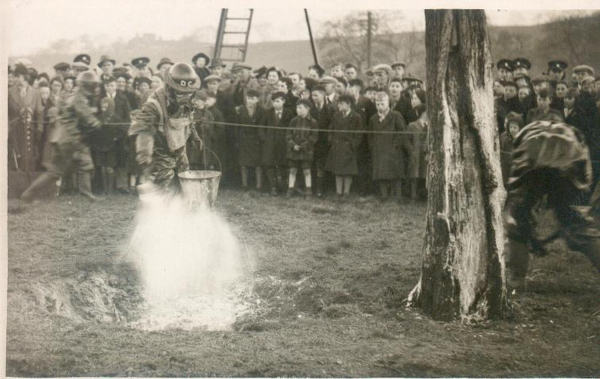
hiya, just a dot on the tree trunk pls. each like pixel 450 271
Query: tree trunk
pixel 462 275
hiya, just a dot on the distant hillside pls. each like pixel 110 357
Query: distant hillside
pixel 571 39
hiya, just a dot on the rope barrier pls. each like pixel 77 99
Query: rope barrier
pixel 266 127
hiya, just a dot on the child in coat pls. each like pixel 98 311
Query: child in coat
pixel 417 164
pixel 513 122
pixel 300 146
pixel 342 159
pixel 274 146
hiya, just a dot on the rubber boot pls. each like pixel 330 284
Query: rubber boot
pixel 85 185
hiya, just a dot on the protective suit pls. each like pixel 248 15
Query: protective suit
pixel 549 158
pixel 163 126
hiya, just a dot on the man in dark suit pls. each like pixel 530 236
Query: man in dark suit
pixel 122 111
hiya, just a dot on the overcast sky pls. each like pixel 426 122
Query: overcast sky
pixel 33 24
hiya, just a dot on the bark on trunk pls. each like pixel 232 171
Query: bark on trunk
pixel 463 256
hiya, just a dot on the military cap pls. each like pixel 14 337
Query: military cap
pixel 382 67
pixel 252 93
pixel 506 64
pixel 540 79
pixel 318 68
pixel 557 66
pixel 62 66
pixel 278 95
pixel 200 95
pixel 201 55
pixel 395 64
pixel 241 65
pixel 211 78
pixel 83 58
pixel 142 61
pixel 412 78
pixel 304 102
pixel 521 62
pixel 328 79
pixel 104 59
pixel 584 68
pixel 217 63
pixel 24 61
pixel 164 61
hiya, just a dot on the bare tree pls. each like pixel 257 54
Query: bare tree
pixel 463 256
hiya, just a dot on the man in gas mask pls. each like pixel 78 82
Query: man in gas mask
pixel 163 126
pixel 77 121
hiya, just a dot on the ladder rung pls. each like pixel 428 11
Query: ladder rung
pixel 234 32
pixel 234 46
pixel 237 18
pixel 231 60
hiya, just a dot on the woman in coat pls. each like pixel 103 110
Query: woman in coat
pixel 274 145
pixel 342 161
pixel 387 150
pixel 301 146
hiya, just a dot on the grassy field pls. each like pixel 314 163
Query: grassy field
pixel 329 283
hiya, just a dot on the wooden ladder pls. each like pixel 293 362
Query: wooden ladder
pixel 232 36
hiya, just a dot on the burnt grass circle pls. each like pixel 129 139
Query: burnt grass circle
pixel 326 298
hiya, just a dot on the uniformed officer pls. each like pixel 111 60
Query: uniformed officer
pixel 556 71
pixel 77 120
pixel 164 126
pixel 521 66
pixel 141 67
pixel 505 69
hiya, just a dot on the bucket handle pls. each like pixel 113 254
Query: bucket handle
pixel 216 156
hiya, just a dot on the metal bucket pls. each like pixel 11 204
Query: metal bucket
pixel 200 187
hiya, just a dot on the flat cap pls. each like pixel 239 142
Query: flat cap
pixel 211 78
pixel 201 95
pixel 395 64
pixel 328 79
pixel 304 102
pixel 240 66
pixel 584 68
pixel 382 67
pixel 164 61
pixel 62 66
pixel 217 63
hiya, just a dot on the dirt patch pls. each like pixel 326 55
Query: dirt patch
pixel 99 296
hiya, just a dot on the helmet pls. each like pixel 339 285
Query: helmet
pixel 88 77
pixel 182 78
